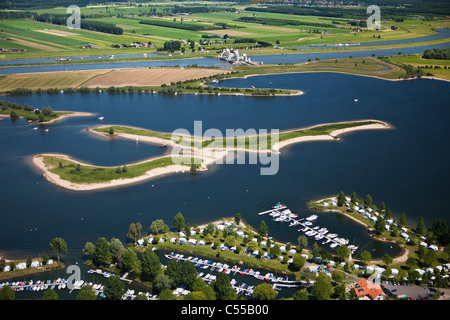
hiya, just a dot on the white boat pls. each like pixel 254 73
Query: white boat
pixel 333 245
pixel 332 235
pixel 101 118
pixel 356 100
pixel 311 218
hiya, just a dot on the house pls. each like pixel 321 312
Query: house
pixel 201 243
pixel 365 289
pixel 433 247
pixel 182 241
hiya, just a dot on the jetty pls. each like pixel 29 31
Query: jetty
pixel 225 268
pixel 280 213
pixel 38 285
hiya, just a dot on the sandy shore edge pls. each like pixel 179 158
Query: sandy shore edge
pixel 208 157
pixel 57 180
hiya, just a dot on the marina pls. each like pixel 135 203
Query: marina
pixel 241 288
pixel 280 213
pixel 38 285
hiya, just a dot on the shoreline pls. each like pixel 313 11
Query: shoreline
pixel 57 180
pixel 207 155
pixel 64 116
pixel 400 258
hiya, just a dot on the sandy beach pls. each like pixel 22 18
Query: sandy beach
pixel 332 136
pixel 56 179
pixel 207 155
pixel 64 116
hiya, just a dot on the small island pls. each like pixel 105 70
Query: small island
pixel 44 115
pixel 74 175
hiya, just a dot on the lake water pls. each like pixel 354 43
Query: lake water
pixel 406 167
pixel 214 62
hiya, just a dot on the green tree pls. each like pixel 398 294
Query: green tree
pixel 223 289
pixel 353 198
pixel 7 293
pixel 341 199
pixel 102 255
pixel 264 291
pixel 130 262
pixel 420 229
pixel 322 288
pixel 86 293
pixel 116 248
pixel 58 247
pixel 151 265
pixel 343 252
pixel 301 295
pixel 388 214
pixel 298 261
pixel 237 218
pixel 174 270
pixel 302 242
pixel 158 226
pixel 179 221
pixel 386 259
pixel 263 229
pixel 368 201
pixel 114 288
pixel 189 274
pixel 365 256
pixel 275 251
pixel 200 285
pixel 162 282
pixel 337 275
pixel 134 231
pixel 379 225
pixel 166 294
pixel 402 220
pixel 195 295
pixel 50 294
pixel 89 249
pixel 441 231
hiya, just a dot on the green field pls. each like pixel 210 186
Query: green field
pixel 282 30
pixel 438 68
pixel 250 143
pixel 67 169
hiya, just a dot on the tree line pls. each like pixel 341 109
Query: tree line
pixel 91 25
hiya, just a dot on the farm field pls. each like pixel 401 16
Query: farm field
pixel 226 24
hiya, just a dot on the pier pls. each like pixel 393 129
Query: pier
pixel 223 267
pixel 281 213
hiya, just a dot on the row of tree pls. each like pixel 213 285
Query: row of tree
pixel 91 25
pixel 439 231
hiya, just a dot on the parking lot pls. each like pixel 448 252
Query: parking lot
pixel 413 291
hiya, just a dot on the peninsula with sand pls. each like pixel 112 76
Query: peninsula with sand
pixel 196 153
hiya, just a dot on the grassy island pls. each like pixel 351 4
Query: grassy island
pixel 318 132
pixel 29 113
pixel 71 174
